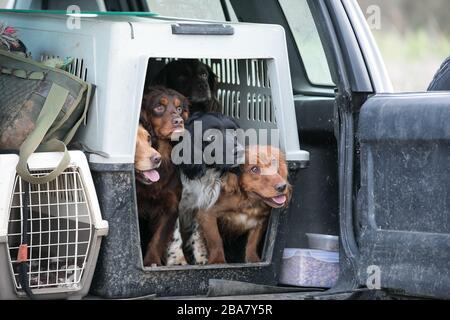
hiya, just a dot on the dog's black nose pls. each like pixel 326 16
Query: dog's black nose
pixel 177 121
pixel 281 187
pixel 156 160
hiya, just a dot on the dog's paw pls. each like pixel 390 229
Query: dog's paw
pixel 217 257
pixel 152 260
pixel 176 259
pixel 202 260
pixel 152 263
pixel 175 262
pixel 252 258
pixel 183 263
pixel 217 261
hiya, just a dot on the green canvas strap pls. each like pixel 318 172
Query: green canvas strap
pixel 52 107
pixel 73 131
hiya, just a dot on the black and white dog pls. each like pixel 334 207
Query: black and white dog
pixel 213 150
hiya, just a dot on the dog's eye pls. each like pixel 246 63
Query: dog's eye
pixel 255 170
pixel 159 109
pixel 204 75
pixel 180 110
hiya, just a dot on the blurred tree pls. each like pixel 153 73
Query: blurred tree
pixel 414 39
pixel 412 15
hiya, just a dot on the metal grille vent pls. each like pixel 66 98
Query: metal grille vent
pixel 60 231
pixel 77 68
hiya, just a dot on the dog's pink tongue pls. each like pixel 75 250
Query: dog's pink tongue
pixel 152 175
pixel 279 200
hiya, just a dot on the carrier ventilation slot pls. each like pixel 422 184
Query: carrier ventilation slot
pixel 246 79
pixel 77 68
pixel 259 108
pixel 239 79
pixel 231 102
pixel 257 73
pixel 60 231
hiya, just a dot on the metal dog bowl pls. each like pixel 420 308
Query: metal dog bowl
pixel 323 242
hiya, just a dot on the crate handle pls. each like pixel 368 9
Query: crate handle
pixel 202 29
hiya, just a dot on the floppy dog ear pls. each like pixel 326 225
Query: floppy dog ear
pixel 193 171
pixel 188 166
pixel 186 106
pixel 283 170
pixel 143 119
pixel 213 80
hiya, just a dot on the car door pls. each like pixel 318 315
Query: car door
pixel 395 193
pixel 404 207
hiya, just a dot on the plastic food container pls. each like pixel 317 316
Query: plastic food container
pixel 309 268
pixel 323 242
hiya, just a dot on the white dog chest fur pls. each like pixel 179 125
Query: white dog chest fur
pixel 200 193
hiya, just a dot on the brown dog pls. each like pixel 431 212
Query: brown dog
pixel 246 201
pixel 163 114
pixel 146 158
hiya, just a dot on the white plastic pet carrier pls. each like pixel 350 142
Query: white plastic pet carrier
pixel 113 53
pixel 64 228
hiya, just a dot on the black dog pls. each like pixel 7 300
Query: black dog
pixel 193 79
pixel 202 180
pixel 216 124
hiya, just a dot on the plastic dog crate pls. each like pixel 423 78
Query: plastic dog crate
pixel 114 53
pixel 64 227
